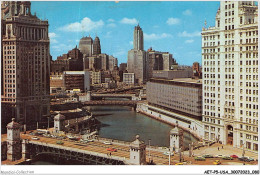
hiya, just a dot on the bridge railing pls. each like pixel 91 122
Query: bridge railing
pixel 126 143
pixel 114 141
pixel 123 159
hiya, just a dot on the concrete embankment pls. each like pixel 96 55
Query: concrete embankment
pixel 173 124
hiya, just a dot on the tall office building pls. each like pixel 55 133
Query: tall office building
pixel 138 38
pixel 86 46
pixel 25 64
pixel 96 46
pixel 112 62
pixel 157 60
pixel 72 61
pixel 137 57
pixel 230 75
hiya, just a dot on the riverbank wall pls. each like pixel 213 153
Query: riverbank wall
pixel 192 126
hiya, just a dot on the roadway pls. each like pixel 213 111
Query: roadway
pixel 99 147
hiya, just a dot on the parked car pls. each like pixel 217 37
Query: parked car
pixel 207 156
pixel 112 149
pixel 245 159
pixel 107 143
pixel 218 156
pixel 217 162
pixel 179 164
pixel 167 153
pixel 227 158
pixel 32 133
pixel 35 138
pixel 60 142
pixel 199 158
pixel 234 156
pixel 250 158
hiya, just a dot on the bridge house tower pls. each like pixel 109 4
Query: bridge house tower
pixel 13 141
pixel 137 152
pixel 59 123
pixel 176 139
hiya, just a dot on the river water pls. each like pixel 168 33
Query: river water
pixel 121 123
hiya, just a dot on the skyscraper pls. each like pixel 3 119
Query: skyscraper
pixel 138 38
pixel 96 46
pixel 86 46
pixel 230 75
pixel 137 57
pixel 25 64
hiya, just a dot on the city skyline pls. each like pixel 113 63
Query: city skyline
pixel 171 30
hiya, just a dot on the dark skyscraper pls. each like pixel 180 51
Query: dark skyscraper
pixel 25 64
pixel 86 46
pixel 96 46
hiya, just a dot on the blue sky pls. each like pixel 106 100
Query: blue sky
pixel 168 26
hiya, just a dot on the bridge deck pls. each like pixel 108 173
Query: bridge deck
pixel 99 147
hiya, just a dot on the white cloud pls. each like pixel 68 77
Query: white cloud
pixel 186 34
pixel 52 37
pixel 86 24
pixel 189 41
pixel 62 47
pixel 156 36
pixel 131 42
pixel 110 20
pixel 187 12
pixel 129 21
pixel 173 21
pixel 155 26
pixel 111 25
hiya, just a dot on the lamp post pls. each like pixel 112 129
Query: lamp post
pixel 169 156
pixel 48 122
pixel 149 150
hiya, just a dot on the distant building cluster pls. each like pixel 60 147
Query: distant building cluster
pixel 103 70
pixel 142 63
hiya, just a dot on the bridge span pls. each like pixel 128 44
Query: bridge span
pixel 110 102
pixel 94 153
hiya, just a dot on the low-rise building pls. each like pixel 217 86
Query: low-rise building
pixel 56 82
pixel 129 78
pixel 74 80
pixel 97 77
pixel 173 74
pixel 183 96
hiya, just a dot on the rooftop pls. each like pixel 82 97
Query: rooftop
pixel 183 80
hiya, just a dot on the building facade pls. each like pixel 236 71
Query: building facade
pixel 181 96
pixel 86 46
pixel 158 61
pixel 112 62
pixel 96 46
pixel 77 80
pixel 72 61
pixel 129 78
pixel 230 75
pixel 25 64
pixel 137 57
